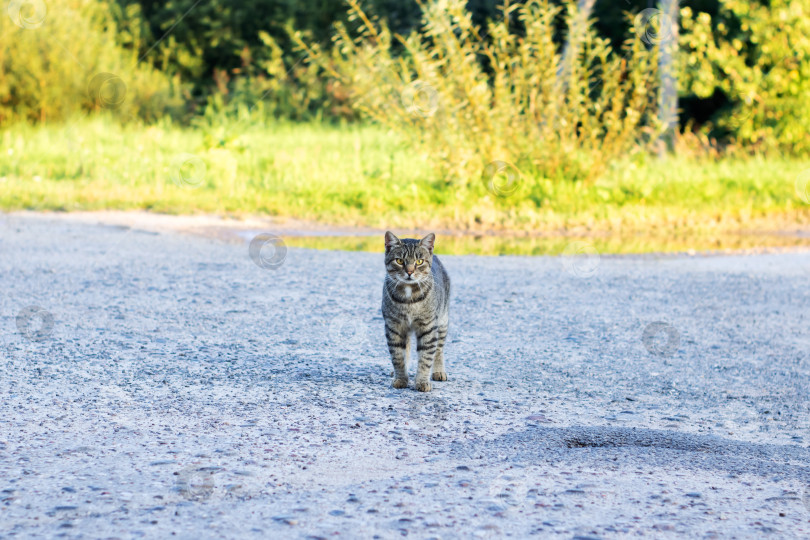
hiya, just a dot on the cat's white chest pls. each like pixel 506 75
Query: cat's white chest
pixel 408 292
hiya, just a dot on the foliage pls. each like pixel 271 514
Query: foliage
pixel 759 56
pixel 551 115
pixel 744 72
pixel 61 58
pixel 237 55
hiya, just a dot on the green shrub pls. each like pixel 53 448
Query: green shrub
pixel 61 58
pixel 237 56
pixel 759 57
pixel 502 103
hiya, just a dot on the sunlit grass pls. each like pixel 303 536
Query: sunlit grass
pixel 362 175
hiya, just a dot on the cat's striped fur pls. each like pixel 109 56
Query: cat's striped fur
pixel 416 297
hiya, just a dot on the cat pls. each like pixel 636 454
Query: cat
pixel 416 298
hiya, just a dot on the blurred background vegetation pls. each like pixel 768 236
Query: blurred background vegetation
pixel 743 68
pixel 457 85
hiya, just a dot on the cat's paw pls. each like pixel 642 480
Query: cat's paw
pixel 422 386
pixel 439 376
pixel 400 383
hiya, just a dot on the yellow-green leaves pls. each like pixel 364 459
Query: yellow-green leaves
pixel 468 96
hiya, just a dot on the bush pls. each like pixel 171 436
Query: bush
pixel 759 57
pixel 237 56
pixel 492 103
pixel 61 58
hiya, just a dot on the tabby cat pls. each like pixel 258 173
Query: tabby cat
pixel 416 295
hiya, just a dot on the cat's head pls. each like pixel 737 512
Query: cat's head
pixel 408 260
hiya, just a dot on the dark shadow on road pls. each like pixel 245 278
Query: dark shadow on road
pixel 589 446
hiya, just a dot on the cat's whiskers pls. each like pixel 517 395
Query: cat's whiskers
pixel 388 284
pixel 393 285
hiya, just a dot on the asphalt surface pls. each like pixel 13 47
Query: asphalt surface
pixel 156 385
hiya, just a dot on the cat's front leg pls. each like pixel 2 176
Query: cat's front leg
pixel 426 345
pixel 439 374
pixel 398 347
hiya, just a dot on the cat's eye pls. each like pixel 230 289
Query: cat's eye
pixel 399 261
pixel 419 261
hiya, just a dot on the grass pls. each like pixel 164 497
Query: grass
pixel 363 175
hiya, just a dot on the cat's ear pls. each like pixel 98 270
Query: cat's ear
pixel 428 242
pixel 390 240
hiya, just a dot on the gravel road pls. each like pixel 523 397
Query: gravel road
pixel 160 384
